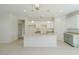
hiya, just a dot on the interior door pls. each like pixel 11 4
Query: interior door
pixel 20 30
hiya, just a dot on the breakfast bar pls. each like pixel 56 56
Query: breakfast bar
pixel 39 40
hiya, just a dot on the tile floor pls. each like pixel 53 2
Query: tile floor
pixel 16 48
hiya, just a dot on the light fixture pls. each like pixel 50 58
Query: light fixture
pixel 61 11
pixel 32 21
pixel 36 7
pixel 24 10
pixel 48 21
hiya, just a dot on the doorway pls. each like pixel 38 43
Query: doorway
pixel 21 29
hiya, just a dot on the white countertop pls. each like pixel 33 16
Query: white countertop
pixel 38 34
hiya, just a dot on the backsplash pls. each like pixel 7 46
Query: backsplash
pixel 73 30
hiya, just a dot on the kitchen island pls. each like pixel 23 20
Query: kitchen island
pixel 40 40
pixel 72 38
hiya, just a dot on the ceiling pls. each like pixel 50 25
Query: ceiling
pixel 46 10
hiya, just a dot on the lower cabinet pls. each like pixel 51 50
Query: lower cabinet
pixel 68 38
pixel 72 39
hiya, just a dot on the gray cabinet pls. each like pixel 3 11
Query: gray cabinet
pixel 68 39
pixel 72 39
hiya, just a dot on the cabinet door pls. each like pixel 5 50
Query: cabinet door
pixel 19 30
pixel 68 38
pixel 76 40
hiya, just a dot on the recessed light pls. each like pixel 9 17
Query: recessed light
pixel 32 21
pixel 61 11
pixel 24 10
pixel 48 21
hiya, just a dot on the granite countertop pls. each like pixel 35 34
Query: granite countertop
pixel 76 33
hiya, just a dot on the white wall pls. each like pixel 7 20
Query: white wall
pixel 14 27
pixel 78 21
pixel 71 22
pixel 60 27
pixel 8 28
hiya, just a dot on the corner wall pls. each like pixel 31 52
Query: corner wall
pixel 8 28
pixel 60 27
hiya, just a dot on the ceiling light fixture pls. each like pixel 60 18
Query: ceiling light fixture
pixel 60 10
pixel 48 21
pixel 36 6
pixel 24 10
pixel 32 21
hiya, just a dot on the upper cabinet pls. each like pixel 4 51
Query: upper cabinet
pixel 43 26
pixel 40 24
pixel 72 21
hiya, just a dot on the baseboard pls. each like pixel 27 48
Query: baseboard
pixel 5 41
pixel 14 39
